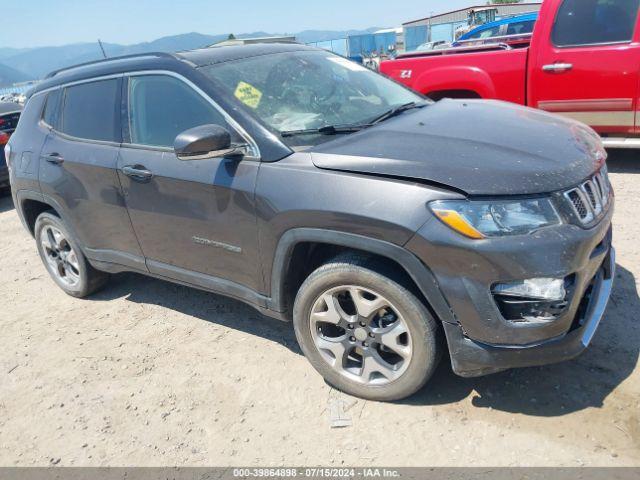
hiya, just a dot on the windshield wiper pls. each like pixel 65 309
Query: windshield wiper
pixel 394 112
pixel 343 129
pixel 326 130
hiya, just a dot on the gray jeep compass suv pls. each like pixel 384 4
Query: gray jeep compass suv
pixel 387 227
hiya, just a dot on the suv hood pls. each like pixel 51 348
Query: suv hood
pixel 474 146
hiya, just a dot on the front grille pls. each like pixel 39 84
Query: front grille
pixel 579 204
pixel 590 199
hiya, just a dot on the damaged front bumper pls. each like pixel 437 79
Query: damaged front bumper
pixel 470 358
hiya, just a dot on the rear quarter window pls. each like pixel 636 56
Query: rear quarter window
pixel 592 22
pixel 51 108
pixel 90 111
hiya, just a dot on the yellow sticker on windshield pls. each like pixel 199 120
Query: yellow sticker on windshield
pixel 248 94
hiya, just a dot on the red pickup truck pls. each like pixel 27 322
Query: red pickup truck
pixel 582 61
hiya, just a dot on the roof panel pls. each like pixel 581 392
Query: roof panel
pixel 211 55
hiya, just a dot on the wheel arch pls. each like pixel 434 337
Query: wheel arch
pixel 31 204
pixel 293 249
pixel 457 78
pixel 437 95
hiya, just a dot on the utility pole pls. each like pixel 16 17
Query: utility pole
pixel 102 48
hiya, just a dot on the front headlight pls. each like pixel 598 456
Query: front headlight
pixel 482 219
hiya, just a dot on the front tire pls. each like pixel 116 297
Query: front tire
pixel 64 259
pixel 364 331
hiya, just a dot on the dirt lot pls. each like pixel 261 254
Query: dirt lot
pixel 149 373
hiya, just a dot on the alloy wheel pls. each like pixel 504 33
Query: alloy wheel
pixel 361 335
pixel 60 256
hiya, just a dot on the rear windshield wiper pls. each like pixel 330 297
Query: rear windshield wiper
pixel 394 112
pixel 326 130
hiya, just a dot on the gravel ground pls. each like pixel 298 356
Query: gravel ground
pixel 154 374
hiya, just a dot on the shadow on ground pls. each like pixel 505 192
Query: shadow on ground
pixel 624 161
pixel 205 306
pixel 6 201
pixel 542 391
pixel 560 389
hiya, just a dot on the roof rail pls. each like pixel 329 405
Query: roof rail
pixel 107 60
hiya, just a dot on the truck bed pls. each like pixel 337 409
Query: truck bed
pixel 474 46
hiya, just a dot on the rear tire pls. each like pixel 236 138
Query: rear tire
pixel 364 331
pixel 63 258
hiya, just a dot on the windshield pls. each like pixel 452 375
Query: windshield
pixel 309 90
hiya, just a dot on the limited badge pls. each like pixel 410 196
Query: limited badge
pixel 248 94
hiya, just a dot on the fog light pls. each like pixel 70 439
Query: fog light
pixel 533 300
pixel 551 289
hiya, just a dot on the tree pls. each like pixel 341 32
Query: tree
pixel 231 37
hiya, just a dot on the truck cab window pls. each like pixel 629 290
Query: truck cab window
pixel 591 22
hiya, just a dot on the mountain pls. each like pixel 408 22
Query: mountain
pixel 309 36
pixel 6 52
pixel 9 76
pixel 37 62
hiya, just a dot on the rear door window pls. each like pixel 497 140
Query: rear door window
pixel 592 22
pixel 161 107
pixel 90 111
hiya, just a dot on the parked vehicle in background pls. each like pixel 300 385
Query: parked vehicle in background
pixel 425 47
pixel 517 25
pixel 477 17
pixel 9 116
pixel 320 192
pixel 13 98
pixel 582 62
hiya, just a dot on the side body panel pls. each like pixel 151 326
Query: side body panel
pixel 293 193
pixel 86 186
pixel 601 86
pixel 497 74
pixel 195 220
pixel 198 215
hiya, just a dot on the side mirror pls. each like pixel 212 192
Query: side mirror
pixel 206 141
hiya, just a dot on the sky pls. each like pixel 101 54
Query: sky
pixel 33 23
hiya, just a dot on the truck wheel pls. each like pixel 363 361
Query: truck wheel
pixel 63 258
pixel 364 332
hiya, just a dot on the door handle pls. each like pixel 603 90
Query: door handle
pixel 557 67
pixel 137 172
pixel 54 158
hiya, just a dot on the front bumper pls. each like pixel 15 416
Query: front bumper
pixel 471 359
pixel 481 340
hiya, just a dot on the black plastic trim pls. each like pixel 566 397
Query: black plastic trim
pixel 124 259
pixel 418 272
pixel 208 282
